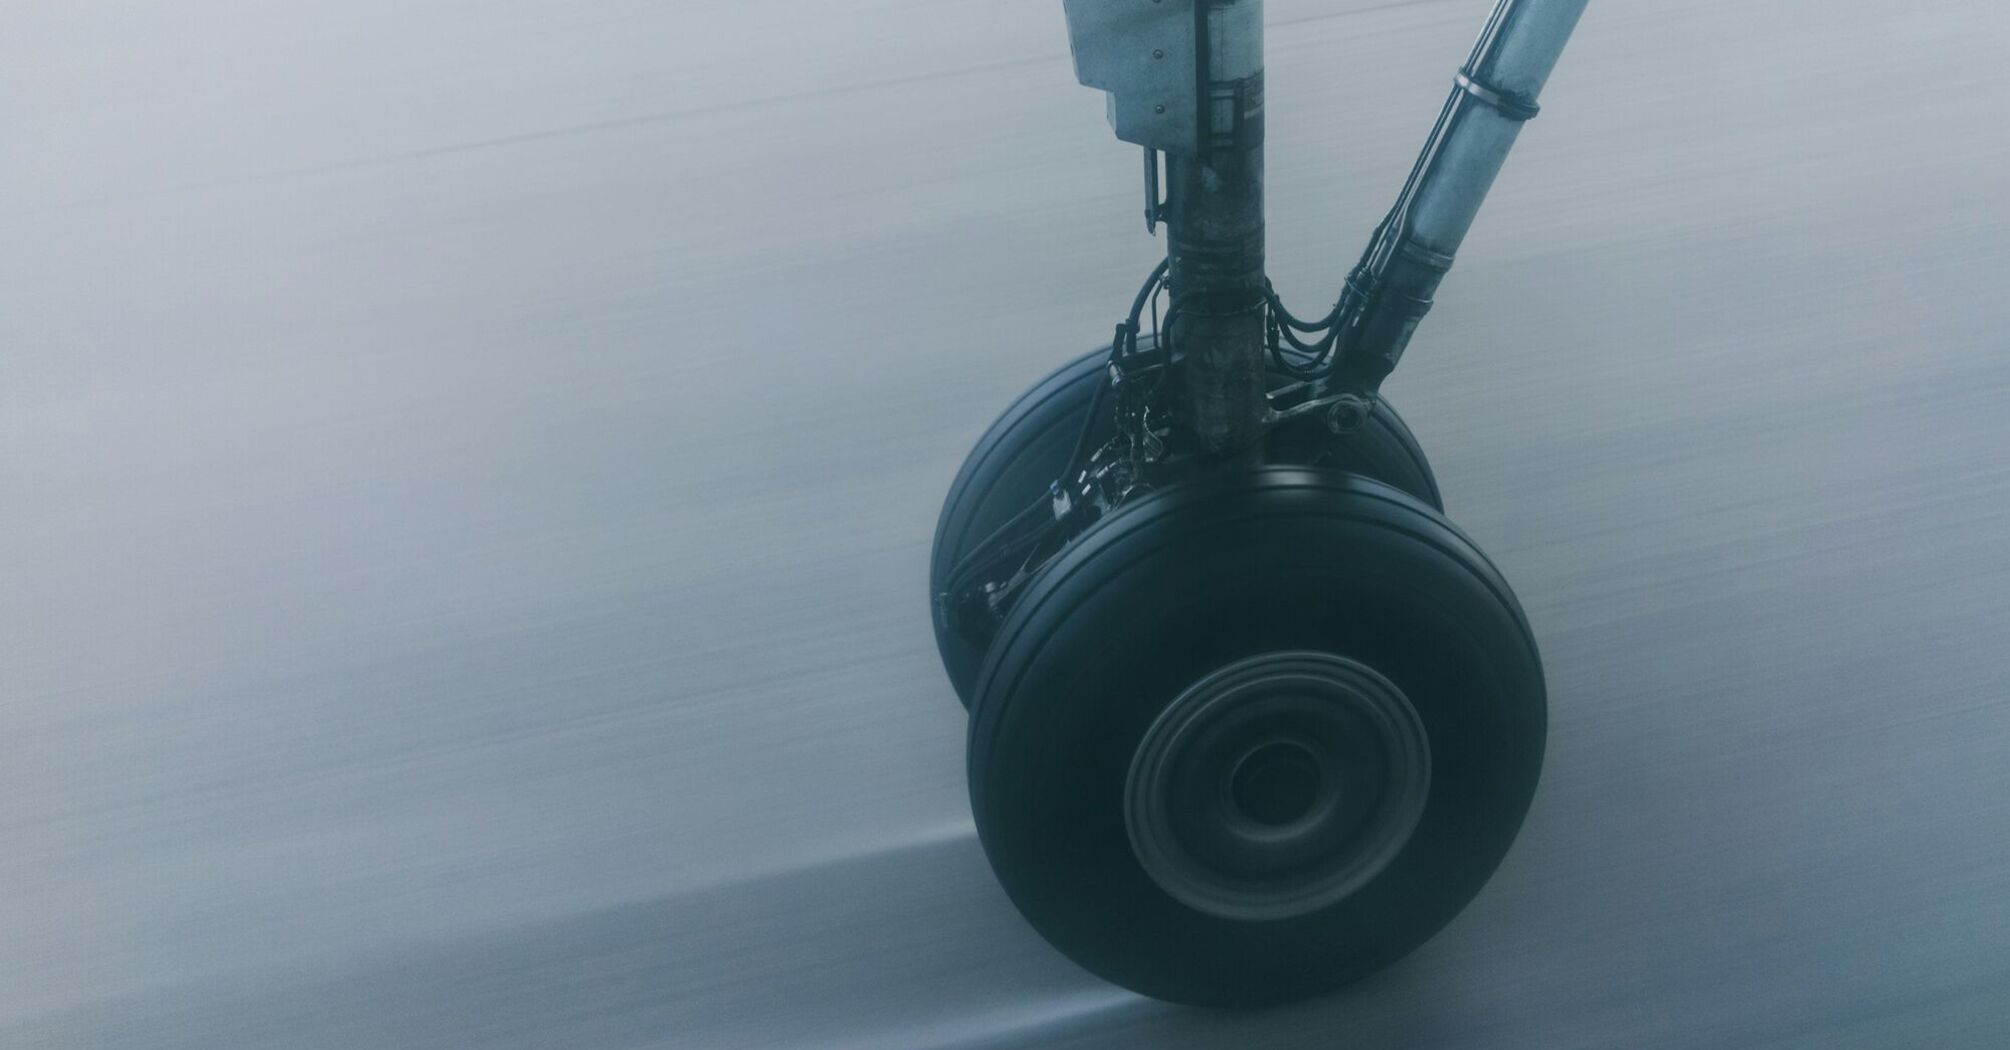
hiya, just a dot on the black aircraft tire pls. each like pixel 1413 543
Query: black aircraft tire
pixel 1128 844
pixel 1027 447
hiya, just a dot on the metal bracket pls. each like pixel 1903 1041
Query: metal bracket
pixel 1142 52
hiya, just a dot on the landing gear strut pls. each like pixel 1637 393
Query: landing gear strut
pixel 1249 717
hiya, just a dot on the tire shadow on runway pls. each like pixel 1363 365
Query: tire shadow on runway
pixel 913 946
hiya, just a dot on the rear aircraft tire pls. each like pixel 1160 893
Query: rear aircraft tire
pixel 1257 736
pixel 1028 446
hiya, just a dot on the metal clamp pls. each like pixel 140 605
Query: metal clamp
pixel 1508 104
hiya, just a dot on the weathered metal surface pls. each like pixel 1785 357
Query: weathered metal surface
pixel 1216 235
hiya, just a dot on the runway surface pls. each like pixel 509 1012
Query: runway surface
pixel 466 472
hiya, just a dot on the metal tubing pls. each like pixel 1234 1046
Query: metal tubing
pixel 1214 221
pixel 1493 95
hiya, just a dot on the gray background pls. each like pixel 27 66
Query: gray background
pixel 466 471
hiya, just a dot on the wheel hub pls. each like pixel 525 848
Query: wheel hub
pixel 1277 785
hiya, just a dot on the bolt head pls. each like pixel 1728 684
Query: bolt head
pixel 1347 415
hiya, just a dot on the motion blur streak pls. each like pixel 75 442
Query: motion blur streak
pixel 467 472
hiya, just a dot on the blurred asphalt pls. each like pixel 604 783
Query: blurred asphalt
pixel 466 471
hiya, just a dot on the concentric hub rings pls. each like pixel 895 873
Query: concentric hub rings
pixel 1277 785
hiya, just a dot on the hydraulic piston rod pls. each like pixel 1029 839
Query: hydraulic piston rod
pixel 1185 81
pixel 1391 288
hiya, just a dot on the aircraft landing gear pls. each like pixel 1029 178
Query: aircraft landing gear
pixel 1249 718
